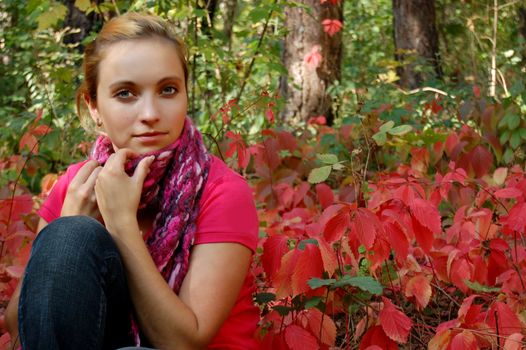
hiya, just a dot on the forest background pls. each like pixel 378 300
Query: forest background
pixel 384 140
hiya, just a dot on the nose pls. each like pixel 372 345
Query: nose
pixel 149 110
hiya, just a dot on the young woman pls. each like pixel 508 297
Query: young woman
pixel 150 240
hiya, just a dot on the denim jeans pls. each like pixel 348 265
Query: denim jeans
pixel 74 294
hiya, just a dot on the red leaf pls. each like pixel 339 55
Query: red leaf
pixel 337 225
pixel 41 130
pixel 366 225
pixel 319 321
pixel 30 141
pixel 502 317
pixel 314 57
pixel 325 195
pixel 424 237
pixel 299 338
pixel 481 160
pixel 426 214
pixel 394 322
pixel 510 192
pixel 420 288
pixel 476 91
pixel 516 220
pixel 398 240
pixel 270 115
pixel 460 271
pixel 330 262
pixel 464 341
pixel 20 205
pixel 375 336
pixel 331 26
pixel 309 264
pixel 513 342
pixel 273 250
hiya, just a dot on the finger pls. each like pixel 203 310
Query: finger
pixel 90 181
pixel 84 172
pixel 120 157
pixel 143 168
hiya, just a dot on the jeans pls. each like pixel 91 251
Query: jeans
pixel 74 294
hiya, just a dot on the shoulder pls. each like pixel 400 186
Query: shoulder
pixel 227 212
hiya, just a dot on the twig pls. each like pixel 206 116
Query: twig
pixel 116 8
pixel 493 77
pixel 511 3
pixel 445 293
pixel 249 70
pixel 424 89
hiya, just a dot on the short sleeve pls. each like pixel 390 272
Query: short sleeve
pixel 52 206
pixel 227 212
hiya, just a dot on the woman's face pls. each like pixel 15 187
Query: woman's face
pixel 141 94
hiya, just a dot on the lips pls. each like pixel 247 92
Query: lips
pixel 150 137
pixel 151 134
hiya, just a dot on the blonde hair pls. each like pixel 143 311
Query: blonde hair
pixel 130 26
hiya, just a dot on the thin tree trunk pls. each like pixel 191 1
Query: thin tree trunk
pixel 416 38
pixel 521 11
pixel 77 19
pixel 305 87
pixel 229 19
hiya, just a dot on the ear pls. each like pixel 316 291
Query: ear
pixel 92 107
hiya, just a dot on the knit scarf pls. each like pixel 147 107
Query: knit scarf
pixel 174 185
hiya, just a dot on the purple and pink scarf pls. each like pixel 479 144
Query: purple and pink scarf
pixel 174 185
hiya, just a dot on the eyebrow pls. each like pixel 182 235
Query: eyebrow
pixel 129 82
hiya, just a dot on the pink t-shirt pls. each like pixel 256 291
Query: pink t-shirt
pixel 226 214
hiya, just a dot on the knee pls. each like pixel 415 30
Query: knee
pixel 71 236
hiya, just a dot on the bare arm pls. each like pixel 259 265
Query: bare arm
pixel 209 291
pixel 210 288
pixel 11 312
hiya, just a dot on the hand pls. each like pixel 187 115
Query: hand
pixel 80 197
pixel 118 194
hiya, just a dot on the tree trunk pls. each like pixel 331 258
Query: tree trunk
pixel 522 29
pixel 229 17
pixel 416 41
pixel 77 19
pixel 305 87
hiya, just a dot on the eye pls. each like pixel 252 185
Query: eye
pixel 169 90
pixel 123 94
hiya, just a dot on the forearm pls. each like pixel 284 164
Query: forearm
pixel 165 319
pixel 11 314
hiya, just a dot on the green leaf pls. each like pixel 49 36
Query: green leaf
pixel 318 175
pixel 312 302
pixel 49 18
pixel 365 283
pixel 504 120
pixel 263 298
pixel 513 121
pixel 282 310
pixel 387 126
pixel 380 138
pixel 504 137
pixel 338 166
pixel 477 287
pixel 522 132
pixel 83 5
pixel 508 156
pixel 515 139
pixel 400 130
pixel 327 158
pixel 319 282
pixel 302 244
